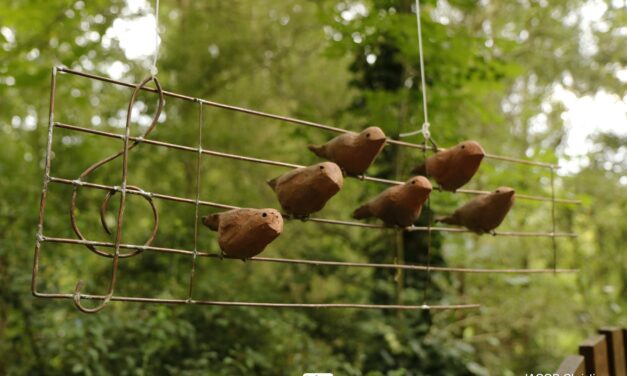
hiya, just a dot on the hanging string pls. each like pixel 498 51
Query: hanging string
pixel 153 68
pixel 426 125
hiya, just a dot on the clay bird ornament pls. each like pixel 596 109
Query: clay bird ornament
pixel 399 205
pixel 483 213
pixel 453 167
pixel 306 190
pixel 353 152
pixel 244 233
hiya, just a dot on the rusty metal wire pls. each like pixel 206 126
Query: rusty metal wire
pixel 312 219
pixel 310 261
pixel 130 142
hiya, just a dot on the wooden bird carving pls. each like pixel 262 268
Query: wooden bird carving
pixel 353 152
pixel 244 233
pixel 399 205
pixel 454 167
pixel 306 190
pixel 483 213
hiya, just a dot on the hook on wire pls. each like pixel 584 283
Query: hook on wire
pixel 118 234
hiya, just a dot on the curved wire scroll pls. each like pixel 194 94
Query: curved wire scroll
pixel 123 190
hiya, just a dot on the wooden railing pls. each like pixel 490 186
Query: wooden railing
pixel 601 355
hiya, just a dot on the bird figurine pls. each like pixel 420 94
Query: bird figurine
pixel 453 167
pixel 244 233
pixel 306 190
pixel 353 152
pixel 484 213
pixel 399 205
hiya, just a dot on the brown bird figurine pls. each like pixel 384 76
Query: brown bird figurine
pixel 306 190
pixel 244 233
pixel 453 167
pixel 353 152
pixel 399 205
pixel 483 213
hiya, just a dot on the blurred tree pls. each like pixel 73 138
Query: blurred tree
pixel 491 69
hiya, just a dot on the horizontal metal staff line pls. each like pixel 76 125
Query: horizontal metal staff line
pixel 272 162
pixel 259 304
pixel 284 118
pixel 524 197
pixel 318 220
pixel 495 233
pixel 308 261
pixel 203 151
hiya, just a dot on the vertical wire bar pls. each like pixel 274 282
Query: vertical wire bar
pixel 197 203
pixel 428 274
pixel 44 192
pixel 553 240
pixel 428 283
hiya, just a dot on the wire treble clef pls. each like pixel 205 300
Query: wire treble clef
pixel 116 255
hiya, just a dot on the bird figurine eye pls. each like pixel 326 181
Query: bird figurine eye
pixel 367 135
pixel 413 182
pixel 322 167
pixel 463 146
pixel 498 191
pixel 264 215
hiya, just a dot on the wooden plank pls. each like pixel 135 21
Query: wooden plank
pixel 573 365
pixel 594 350
pixel 625 342
pixel 615 350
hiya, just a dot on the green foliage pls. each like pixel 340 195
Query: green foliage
pixel 490 68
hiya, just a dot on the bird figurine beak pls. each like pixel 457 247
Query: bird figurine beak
pixel 477 157
pixel 423 184
pixel 375 134
pixel 276 226
pixel 333 173
pixel 475 150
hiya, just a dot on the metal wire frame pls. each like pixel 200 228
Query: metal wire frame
pixel 330 129
pixel 310 261
pixel 124 189
pixel 77 296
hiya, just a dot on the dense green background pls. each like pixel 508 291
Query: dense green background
pixel 491 67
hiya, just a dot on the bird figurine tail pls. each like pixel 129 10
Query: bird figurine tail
pixel 448 219
pixel 212 221
pixel 272 183
pixel 362 212
pixel 317 150
pixel 420 170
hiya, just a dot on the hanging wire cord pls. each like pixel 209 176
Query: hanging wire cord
pixel 153 68
pixel 426 133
